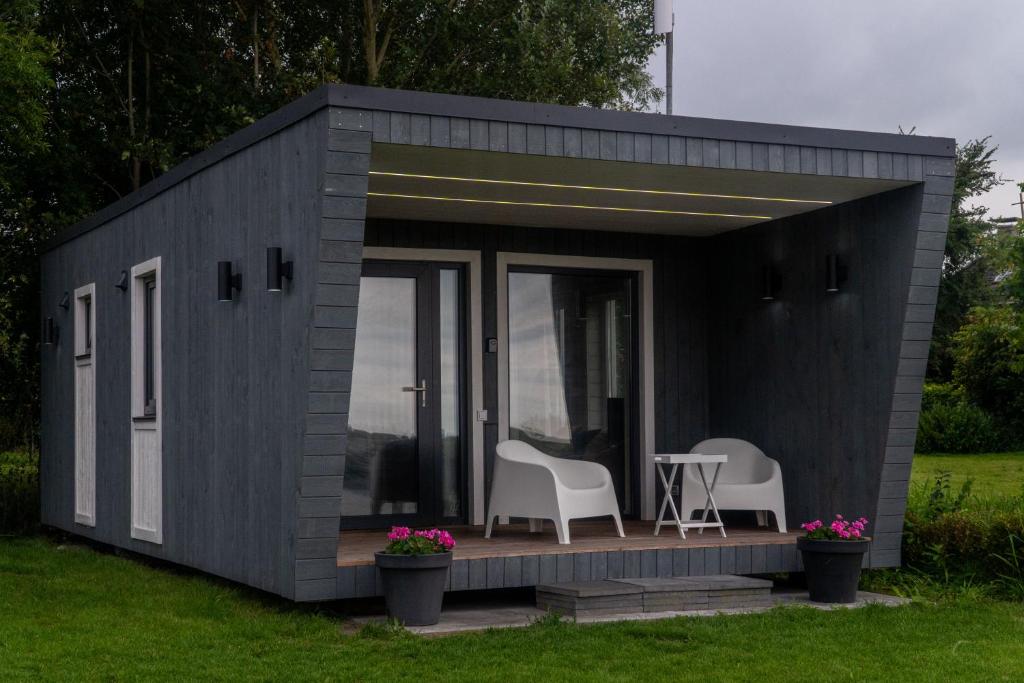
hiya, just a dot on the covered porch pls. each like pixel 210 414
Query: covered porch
pixel 604 295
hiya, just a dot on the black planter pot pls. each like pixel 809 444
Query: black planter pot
pixel 414 586
pixel 832 568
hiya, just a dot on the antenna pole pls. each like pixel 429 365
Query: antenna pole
pixel 669 39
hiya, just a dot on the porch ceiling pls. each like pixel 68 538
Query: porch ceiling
pixel 469 186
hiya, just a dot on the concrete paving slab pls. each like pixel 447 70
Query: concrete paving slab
pixel 479 617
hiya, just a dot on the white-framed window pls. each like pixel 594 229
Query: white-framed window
pixel 146 409
pixel 85 404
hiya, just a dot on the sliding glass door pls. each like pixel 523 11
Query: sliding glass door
pixel 572 363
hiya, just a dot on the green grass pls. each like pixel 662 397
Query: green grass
pixel 68 612
pixel 994 474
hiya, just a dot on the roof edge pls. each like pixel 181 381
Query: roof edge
pixel 462 106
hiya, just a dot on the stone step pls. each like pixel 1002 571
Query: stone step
pixel 625 596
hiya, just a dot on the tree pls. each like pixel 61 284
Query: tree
pixel 989 362
pixel 141 86
pixel 967 270
pixel 24 88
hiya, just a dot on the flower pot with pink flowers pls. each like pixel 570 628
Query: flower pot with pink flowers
pixel 833 555
pixel 413 568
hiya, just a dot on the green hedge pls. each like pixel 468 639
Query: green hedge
pixel 19 492
pixel 959 538
pixel 951 424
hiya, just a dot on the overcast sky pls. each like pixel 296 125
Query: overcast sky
pixel 949 67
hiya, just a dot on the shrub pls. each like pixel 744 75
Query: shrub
pixel 951 424
pixel 958 538
pixel 19 492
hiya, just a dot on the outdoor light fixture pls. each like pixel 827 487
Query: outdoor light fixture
pixel 771 282
pixel 227 281
pixel 49 332
pixel 122 282
pixel 601 188
pixel 65 302
pixel 835 273
pixel 277 269
pixel 548 205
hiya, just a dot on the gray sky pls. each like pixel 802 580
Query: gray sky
pixel 950 67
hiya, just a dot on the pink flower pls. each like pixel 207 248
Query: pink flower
pixel 398 533
pixel 446 540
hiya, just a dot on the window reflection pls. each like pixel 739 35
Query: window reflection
pixel 569 368
pixel 451 470
pixel 381 471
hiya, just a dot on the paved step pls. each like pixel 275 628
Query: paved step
pixel 590 598
pixel 624 596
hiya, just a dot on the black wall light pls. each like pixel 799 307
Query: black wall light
pixel 835 273
pixel 122 282
pixel 227 281
pixel 65 302
pixel 771 283
pixel 49 332
pixel 277 269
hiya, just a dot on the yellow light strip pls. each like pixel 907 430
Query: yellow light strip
pixel 565 206
pixel 563 186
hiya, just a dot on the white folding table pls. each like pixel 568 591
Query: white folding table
pixel 673 462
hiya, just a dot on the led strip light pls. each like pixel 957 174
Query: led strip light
pixel 548 205
pixel 564 186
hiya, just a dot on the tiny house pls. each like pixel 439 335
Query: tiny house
pixel 324 324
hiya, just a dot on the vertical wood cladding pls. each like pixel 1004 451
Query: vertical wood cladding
pixel 828 384
pixel 234 374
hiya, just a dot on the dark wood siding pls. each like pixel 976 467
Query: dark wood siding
pixel 828 384
pixel 234 374
pixel 331 348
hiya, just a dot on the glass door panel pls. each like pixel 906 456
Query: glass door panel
pixel 450 348
pixel 571 368
pixel 405 458
pixel 381 468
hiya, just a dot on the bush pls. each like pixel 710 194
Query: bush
pixel 955 537
pixel 949 423
pixel 989 363
pixel 19 492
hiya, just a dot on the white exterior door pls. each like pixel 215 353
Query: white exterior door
pixel 147 445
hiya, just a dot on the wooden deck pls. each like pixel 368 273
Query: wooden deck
pixel 356 548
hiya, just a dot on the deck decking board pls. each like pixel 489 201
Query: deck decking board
pixel 640 553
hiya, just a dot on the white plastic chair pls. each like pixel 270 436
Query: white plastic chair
pixel 528 483
pixel 750 480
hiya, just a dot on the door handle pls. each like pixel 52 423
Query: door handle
pixel 422 389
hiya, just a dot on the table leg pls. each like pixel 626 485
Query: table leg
pixel 710 502
pixel 667 500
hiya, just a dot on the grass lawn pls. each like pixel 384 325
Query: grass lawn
pixel 69 612
pixel 993 473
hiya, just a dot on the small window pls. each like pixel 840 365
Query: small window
pixel 87 323
pixel 85 326
pixel 148 339
pixel 145 342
